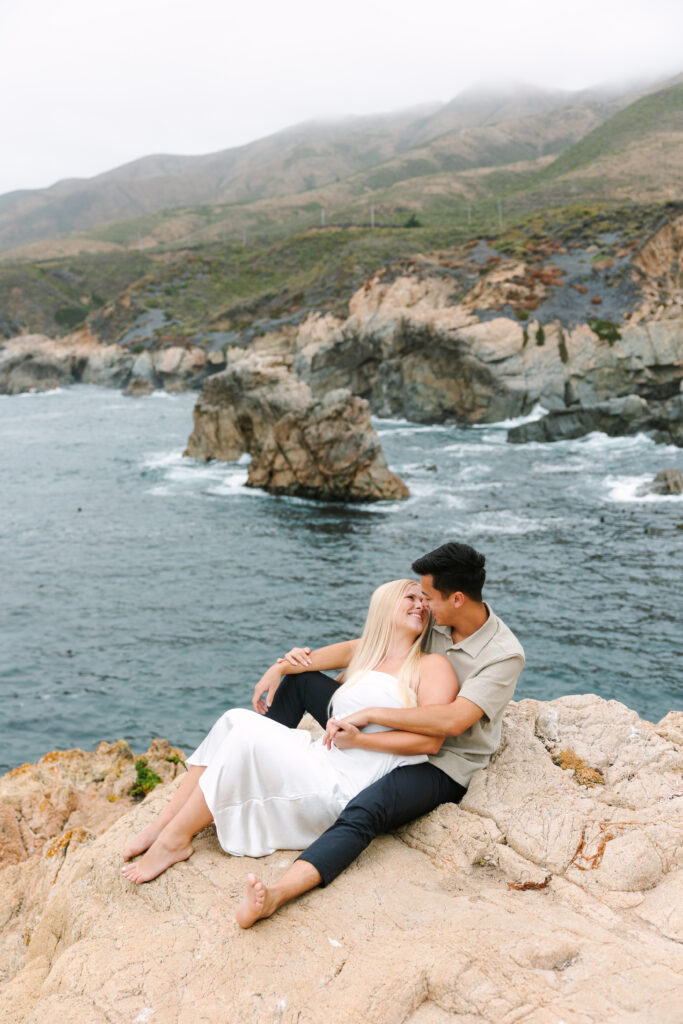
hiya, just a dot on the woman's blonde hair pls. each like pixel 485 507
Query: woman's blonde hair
pixel 377 637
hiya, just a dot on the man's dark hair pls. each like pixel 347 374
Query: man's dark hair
pixel 454 567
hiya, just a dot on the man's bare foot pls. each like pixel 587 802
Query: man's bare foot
pixel 257 903
pixel 164 852
pixel 143 841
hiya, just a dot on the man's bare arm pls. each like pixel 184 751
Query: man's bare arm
pixel 431 720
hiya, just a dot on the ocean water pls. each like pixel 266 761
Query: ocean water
pixel 143 593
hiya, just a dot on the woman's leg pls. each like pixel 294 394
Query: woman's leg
pixel 174 842
pixel 144 840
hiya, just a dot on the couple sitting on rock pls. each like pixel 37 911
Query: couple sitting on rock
pixel 419 711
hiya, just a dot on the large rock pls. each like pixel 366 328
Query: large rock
pixel 412 354
pixel 667 481
pixel 328 450
pixel 539 899
pixel 238 407
pixel 72 789
pixel 616 417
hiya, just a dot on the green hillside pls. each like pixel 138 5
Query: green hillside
pixel 659 112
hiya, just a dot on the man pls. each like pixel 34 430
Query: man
pixel 487 658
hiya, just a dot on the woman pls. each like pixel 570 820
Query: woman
pixel 268 787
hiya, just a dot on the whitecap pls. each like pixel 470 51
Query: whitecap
pixel 537 413
pixel 37 393
pixel 160 460
pixel 625 489
pixel 505 522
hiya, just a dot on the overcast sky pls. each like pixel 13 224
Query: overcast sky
pixel 87 86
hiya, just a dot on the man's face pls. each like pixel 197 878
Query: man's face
pixel 443 609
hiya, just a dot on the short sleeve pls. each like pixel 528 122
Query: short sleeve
pixel 493 686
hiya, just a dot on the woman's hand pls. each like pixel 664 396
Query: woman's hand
pixel 297 656
pixel 267 684
pixel 347 735
pixel 350 726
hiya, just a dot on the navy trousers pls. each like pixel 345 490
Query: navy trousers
pixel 397 798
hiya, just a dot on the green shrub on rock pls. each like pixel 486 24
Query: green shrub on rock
pixel 146 780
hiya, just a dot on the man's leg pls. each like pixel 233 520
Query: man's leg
pixel 261 901
pixel 296 694
pixel 392 801
pixel 399 797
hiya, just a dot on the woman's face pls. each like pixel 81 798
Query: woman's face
pixel 411 613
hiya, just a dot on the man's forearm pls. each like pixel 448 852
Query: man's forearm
pixel 399 742
pixel 431 720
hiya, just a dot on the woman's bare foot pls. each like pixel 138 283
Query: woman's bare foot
pixel 143 841
pixel 165 851
pixel 257 903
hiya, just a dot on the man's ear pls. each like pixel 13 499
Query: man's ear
pixel 458 599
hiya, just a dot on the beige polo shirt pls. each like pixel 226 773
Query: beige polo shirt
pixel 487 664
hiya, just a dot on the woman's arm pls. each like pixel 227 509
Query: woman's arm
pixel 438 685
pixel 320 660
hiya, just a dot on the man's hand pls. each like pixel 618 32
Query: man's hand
pixel 297 656
pixel 267 685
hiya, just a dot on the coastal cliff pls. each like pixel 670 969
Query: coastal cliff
pixel 477 333
pixel 552 892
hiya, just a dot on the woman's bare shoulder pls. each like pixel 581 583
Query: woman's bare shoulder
pixel 432 662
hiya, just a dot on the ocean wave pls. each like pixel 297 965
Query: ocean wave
pixel 37 393
pixel 537 413
pixel 506 522
pixel 626 489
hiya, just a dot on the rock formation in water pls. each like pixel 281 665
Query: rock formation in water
pixel 667 481
pixel 553 892
pixel 238 407
pixel 617 417
pixel 315 448
pixel 328 450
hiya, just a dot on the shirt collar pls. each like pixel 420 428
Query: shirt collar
pixel 475 643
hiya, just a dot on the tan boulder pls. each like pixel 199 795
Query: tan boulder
pixel 70 789
pixel 237 407
pixel 330 451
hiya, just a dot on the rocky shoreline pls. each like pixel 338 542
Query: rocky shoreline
pixel 472 336
pixel 554 891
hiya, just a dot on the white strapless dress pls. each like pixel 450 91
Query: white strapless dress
pixel 271 788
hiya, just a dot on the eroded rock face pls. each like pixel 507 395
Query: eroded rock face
pixel 328 450
pixel 423 928
pixel 37 363
pixel 72 789
pixel 238 407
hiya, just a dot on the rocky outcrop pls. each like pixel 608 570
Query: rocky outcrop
pixel 321 448
pixel 617 417
pixel 667 481
pixel 328 450
pixel 238 407
pixel 36 363
pixel 553 892
pixel 69 790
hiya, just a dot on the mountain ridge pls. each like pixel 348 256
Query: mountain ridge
pixel 294 161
